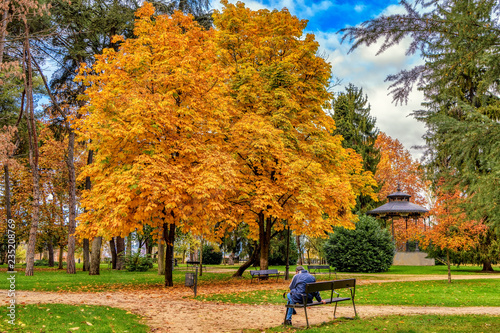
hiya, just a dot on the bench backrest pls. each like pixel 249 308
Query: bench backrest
pixel 347 283
pixel 318 267
pixel 329 285
pixel 319 286
pixel 264 272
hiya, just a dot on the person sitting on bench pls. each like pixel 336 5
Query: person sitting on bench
pixel 297 289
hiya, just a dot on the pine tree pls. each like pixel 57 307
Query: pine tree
pixel 459 41
pixel 353 121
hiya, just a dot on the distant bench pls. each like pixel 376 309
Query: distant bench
pixel 264 274
pixel 313 269
pixel 331 286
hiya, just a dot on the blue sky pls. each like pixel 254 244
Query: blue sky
pixel 361 67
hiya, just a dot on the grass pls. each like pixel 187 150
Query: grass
pixel 69 318
pixel 50 279
pixel 404 324
pixel 424 293
pixel 438 270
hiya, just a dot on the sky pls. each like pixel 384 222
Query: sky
pixel 361 67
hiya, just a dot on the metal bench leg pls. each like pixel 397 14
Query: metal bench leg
pixel 334 311
pixel 307 320
pixel 354 306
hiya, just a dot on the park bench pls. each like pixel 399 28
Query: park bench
pixel 331 286
pixel 193 264
pixel 313 269
pixel 264 274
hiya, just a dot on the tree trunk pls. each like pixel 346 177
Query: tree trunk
pixel 128 249
pixel 120 253
pixel 449 264
pixel 95 260
pixel 161 257
pixel 86 242
pixel 252 260
pixel 8 209
pixel 86 254
pixel 299 247
pixel 70 258
pixel 487 266
pixel 264 240
pixel 169 236
pixel 149 247
pixel 201 257
pixel 50 247
pixel 60 263
pixel 33 157
pixel 113 252
pixel 3 32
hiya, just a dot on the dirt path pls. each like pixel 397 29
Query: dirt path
pixel 171 311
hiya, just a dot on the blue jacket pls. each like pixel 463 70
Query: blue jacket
pixel 298 287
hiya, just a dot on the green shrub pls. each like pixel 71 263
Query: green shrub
pixel 44 262
pixel 366 249
pixel 210 256
pixel 137 263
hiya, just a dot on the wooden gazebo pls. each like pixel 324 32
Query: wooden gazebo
pixel 399 205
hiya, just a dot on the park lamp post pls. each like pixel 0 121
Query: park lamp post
pixel 287 270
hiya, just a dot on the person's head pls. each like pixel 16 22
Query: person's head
pixel 299 269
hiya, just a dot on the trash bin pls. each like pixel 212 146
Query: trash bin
pixel 190 279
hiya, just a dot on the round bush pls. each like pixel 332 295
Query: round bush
pixel 367 248
pixel 210 256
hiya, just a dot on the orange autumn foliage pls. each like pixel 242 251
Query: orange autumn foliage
pixel 290 165
pixel 155 117
pixel 397 166
pixel 453 230
pixel 206 129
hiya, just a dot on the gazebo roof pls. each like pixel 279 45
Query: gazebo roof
pixel 398 208
pixel 399 194
pixel 399 205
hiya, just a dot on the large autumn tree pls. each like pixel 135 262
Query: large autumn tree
pixel 290 166
pixel 156 115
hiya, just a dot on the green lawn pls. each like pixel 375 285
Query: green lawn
pixel 57 280
pixel 404 324
pixel 51 279
pixel 439 270
pixel 69 318
pixel 425 293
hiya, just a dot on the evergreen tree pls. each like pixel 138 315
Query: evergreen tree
pixel 353 121
pixel 459 41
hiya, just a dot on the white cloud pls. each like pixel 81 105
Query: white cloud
pixel 392 10
pixel 359 8
pixel 368 71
